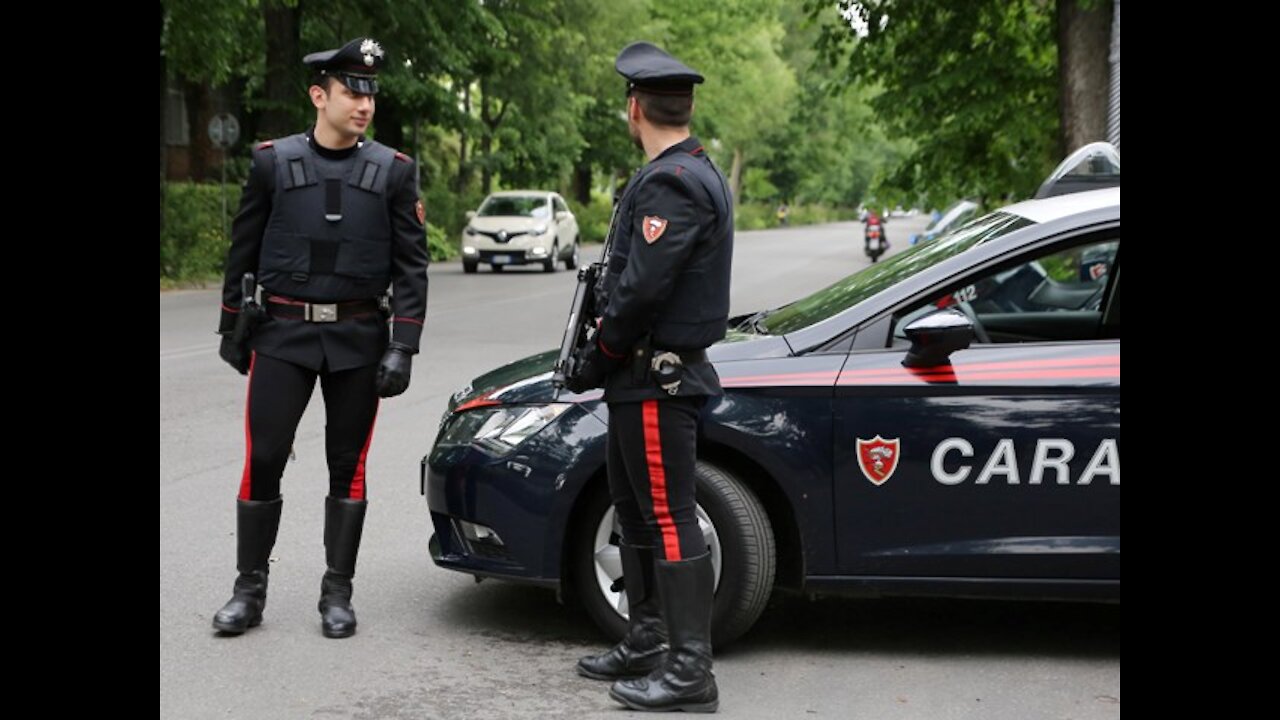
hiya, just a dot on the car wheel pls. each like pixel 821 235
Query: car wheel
pixel 739 538
pixel 469 267
pixel 571 263
pixel 549 265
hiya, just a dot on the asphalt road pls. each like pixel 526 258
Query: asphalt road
pixel 433 644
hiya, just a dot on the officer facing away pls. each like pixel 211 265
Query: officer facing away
pixel 327 220
pixel 665 299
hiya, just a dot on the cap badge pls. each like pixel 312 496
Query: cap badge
pixel 370 49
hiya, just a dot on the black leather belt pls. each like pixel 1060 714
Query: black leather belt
pixel 687 357
pixel 283 307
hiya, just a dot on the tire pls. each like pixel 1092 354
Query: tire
pixel 742 546
pixel 469 267
pixel 549 265
pixel 571 262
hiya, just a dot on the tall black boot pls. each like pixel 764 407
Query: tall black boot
pixel 645 645
pixel 343 525
pixel 257 522
pixel 685 681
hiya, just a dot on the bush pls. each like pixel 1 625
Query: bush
pixel 593 219
pixel 438 244
pixel 192 244
pixel 193 247
pixel 754 216
pixel 758 216
pixel 447 210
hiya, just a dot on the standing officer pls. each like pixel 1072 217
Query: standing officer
pixel 665 298
pixel 328 219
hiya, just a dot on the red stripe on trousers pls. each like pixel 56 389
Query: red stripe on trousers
pixel 658 481
pixel 247 477
pixel 357 482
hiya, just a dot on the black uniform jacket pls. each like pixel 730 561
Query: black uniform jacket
pixel 667 282
pixel 347 343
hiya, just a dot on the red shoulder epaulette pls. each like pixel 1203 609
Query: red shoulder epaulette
pixel 402 156
pixel 265 144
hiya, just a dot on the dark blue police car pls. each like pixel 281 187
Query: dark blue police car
pixel 945 422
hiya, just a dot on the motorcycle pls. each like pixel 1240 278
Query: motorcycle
pixel 874 241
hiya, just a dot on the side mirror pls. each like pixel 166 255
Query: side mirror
pixel 935 336
pixel 471 214
pixel 561 215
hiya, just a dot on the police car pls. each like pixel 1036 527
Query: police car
pixel 945 422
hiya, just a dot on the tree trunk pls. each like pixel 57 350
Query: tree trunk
pixel 199 146
pixel 460 184
pixel 248 118
pixel 163 159
pixel 390 120
pixel 735 173
pixel 485 142
pixel 284 67
pixel 1084 43
pixel 582 183
pixel 491 124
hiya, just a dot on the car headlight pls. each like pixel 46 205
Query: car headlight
pixel 501 428
pixel 538 230
pixel 469 230
pixel 468 250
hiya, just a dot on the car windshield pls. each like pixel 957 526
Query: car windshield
pixel 861 285
pixel 515 205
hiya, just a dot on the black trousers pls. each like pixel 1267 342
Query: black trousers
pixel 651 454
pixel 278 393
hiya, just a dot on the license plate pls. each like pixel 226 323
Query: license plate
pixel 501 259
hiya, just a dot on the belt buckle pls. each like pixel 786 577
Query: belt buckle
pixel 315 312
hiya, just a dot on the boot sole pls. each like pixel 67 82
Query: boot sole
pixel 707 707
pixel 337 633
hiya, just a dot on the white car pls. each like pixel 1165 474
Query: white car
pixel 520 227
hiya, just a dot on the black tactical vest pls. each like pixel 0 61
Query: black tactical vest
pixel 697 311
pixel 329 235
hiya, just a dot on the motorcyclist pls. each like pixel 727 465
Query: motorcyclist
pixel 876 221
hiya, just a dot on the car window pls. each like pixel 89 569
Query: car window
pixel 559 204
pixel 515 205
pixel 1055 295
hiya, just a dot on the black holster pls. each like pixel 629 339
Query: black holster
pixel 251 314
pixel 641 352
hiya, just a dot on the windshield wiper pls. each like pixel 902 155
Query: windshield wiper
pixel 756 322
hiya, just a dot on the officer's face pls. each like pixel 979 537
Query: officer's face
pixel 347 113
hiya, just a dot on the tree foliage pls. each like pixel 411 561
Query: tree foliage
pixel 936 100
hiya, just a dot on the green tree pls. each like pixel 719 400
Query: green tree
pixel 976 86
pixel 736 46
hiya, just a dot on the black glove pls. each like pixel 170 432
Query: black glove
pixel 237 356
pixel 593 367
pixel 393 372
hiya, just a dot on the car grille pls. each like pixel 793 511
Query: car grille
pixel 498 237
pixel 488 551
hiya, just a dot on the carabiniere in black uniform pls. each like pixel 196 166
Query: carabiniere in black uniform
pixel 665 299
pixel 326 232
